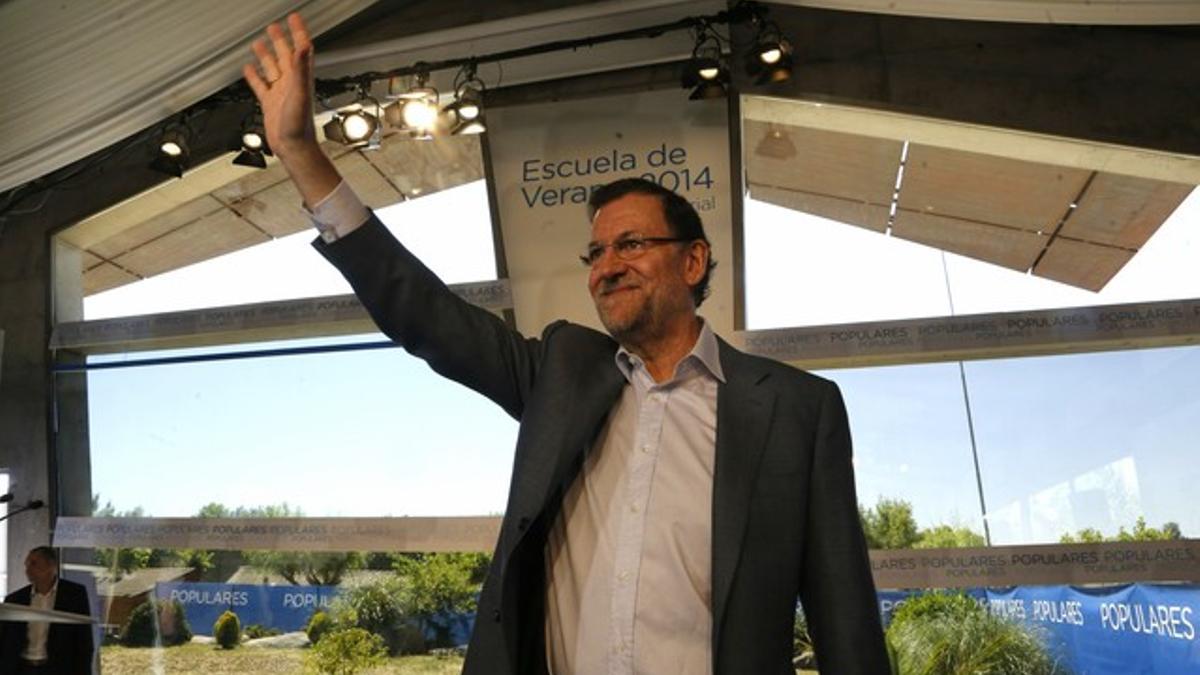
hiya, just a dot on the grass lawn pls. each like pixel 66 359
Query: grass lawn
pixel 209 660
pixel 197 659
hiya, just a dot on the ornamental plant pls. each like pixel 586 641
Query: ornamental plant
pixel 952 634
pixel 227 630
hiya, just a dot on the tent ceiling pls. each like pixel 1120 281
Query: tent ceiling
pixel 1072 225
pixel 186 222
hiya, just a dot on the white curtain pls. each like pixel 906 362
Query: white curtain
pixel 79 75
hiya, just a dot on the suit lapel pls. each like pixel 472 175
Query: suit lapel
pixel 744 409
pixel 583 411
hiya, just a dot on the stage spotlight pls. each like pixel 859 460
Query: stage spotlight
pixel 415 110
pixel 705 74
pixel 354 127
pixel 467 108
pixel 771 59
pixel 173 150
pixel 252 149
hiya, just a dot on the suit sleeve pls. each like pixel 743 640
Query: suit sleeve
pixel 415 309
pixel 836 589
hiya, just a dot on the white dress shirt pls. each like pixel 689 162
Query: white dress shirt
pixel 629 558
pixel 38 631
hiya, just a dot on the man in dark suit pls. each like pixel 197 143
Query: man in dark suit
pixel 38 648
pixel 671 497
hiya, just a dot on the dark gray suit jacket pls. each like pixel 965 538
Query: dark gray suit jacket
pixel 68 646
pixel 785 517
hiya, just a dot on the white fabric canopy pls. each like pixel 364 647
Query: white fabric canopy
pixel 79 75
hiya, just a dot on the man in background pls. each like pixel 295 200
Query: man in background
pixel 38 647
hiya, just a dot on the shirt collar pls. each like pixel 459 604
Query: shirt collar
pixel 52 591
pixel 706 352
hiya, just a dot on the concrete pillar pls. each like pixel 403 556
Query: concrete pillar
pixel 24 386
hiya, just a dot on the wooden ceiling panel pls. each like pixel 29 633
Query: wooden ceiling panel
pixel 217 234
pixel 369 184
pixel 867 216
pixel 423 167
pixel 1123 211
pixel 103 277
pixel 88 260
pixel 158 226
pixel 1007 247
pixel 1089 266
pixel 826 163
pixel 988 189
pixel 277 210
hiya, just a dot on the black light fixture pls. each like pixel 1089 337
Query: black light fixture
pixel 705 73
pixel 252 143
pixel 354 127
pixel 466 112
pixel 770 60
pixel 174 150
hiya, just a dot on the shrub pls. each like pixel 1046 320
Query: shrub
pixel 156 623
pixel 945 634
pixel 227 630
pixel 379 607
pixel 255 631
pixel 346 651
pixel 803 655
pixel 318 625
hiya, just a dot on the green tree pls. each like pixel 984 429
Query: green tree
pixel 297 567
pixel 1088 535
pixel 947 536
pixel 1140 532
pixel 889 524
pixel 439 586
pixel 121 561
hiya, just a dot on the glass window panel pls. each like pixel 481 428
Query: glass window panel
pixel 803 270
pixel 1087 441
pixel 449 230
pixel 911 441
pixel 359 433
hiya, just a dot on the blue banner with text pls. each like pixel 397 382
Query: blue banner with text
pixel 1113 630
pixel 287 608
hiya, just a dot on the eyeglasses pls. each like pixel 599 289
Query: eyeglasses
pixel 626 248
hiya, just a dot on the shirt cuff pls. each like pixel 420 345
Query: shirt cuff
pixel 338 214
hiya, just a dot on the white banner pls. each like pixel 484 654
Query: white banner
pixel 548 157
pixel 981 336
pixel 282 534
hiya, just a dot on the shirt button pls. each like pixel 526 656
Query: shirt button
pixel 634 507
pixel 623 576
pixel 646 449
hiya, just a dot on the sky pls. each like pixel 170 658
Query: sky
pixel 1064 442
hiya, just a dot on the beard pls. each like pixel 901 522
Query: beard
pixel 638 318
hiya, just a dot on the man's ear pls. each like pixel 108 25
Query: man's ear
pixel 697 262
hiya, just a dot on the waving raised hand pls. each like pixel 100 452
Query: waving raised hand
pixel 282 81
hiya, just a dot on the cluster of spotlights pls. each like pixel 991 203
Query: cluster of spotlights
pixel 414 109
pixel 707 72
